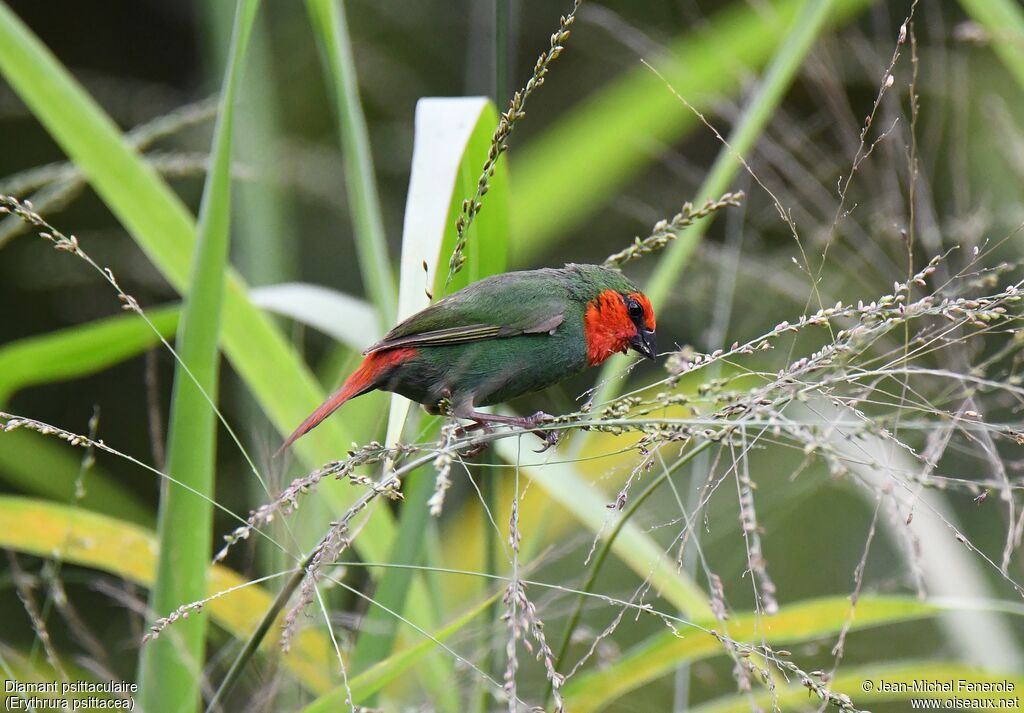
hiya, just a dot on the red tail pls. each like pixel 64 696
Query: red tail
pixel 362 380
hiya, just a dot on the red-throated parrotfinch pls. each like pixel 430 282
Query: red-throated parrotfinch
pixel 500 338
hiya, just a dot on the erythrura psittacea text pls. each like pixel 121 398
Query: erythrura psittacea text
pixel 502 337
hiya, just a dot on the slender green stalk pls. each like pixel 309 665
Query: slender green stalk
pixel 606 548
pixel 263 221
pixel 262 224
pixel 637 549
pixel 258 635
pixel 378 628
pixel 328 17
pixel 489 490
pixel 811 19
pixel 170 670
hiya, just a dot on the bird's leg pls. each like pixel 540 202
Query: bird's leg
pixel 446 407
pixel 484 420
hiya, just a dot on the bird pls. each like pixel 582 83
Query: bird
pixel 501 337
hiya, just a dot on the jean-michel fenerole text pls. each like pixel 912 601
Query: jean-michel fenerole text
pixel 924 685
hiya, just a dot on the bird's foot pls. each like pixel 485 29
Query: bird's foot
pixel 486 421
pixel 549 437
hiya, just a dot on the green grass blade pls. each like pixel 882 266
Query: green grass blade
pixel 379 627
pixel 159 222
pixel 452 140
pixel 654 482
pixel 1004 22
pixel 898 673
pixel 128 551
pixel 37 465
pixel 79 351
pixel 328 17
pixel 170 668
pixel 572 168
pixel 662 653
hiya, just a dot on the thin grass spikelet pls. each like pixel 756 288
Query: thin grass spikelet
pixel 499 141
pixel 287 501
pixel 443 466
pixel 665 231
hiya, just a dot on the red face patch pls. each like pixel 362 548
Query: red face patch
pixel 608 327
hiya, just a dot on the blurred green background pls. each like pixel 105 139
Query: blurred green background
pixel 606 150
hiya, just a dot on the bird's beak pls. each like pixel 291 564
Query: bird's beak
pixel 644 343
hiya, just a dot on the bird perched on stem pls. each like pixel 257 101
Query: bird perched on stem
pixel 500 338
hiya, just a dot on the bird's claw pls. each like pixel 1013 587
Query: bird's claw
pixel 550 438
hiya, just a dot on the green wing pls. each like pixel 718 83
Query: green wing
pixel 498 307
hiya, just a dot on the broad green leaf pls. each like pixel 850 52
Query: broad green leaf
pixel 573 167
pixel 899 674
pixel 662 653
pixel 451 141
pixel 128 551
pixel 94 346
pixel 80 350
pixel 171 666
pixel 453 136
pixel 347 319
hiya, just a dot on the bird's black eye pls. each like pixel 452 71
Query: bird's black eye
pixel 636 312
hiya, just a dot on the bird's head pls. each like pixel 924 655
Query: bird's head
pixel 618 320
